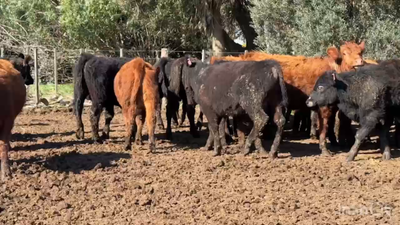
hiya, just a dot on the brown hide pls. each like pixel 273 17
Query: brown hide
pixel 136 89
pixel 13 94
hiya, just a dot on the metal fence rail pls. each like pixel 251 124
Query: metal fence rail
pixel 54 66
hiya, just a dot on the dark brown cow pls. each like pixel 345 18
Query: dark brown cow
pixel 13 94
pixel 136 89
pixel 300 74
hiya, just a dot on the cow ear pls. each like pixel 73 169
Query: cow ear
pixel 20 55
pixel 333 52
pixel 189 61
pixel 362 45
pixel 27 59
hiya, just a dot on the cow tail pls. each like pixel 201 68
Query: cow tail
pixel 285 99
pixel 138 80
pixel 78 74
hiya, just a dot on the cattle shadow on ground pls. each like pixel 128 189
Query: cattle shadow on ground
pixel 28 137
pixel 75 162
pixel 50 145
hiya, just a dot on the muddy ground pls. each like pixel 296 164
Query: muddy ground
pixel 58 179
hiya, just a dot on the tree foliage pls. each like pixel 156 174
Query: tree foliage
pixel 308 27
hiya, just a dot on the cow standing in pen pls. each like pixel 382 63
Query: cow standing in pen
pixel 94 78
pixel 253 89
pixel 370 95
pixel 300 74
pixel 136 89
pixel 13 95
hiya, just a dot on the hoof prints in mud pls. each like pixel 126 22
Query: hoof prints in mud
pixel 60 180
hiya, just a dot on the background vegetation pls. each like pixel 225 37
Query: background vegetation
pixel 298 27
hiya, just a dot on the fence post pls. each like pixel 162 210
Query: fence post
pixel 27 51
pixel 35 63
pixel 80 51
pixel 2 52
pixel 55 72
pixel 164 52
pixel 203 55
pixel 245 52
pixel 121 52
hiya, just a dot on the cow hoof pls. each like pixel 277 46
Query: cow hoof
pixel 161 127
pixel 313 137
pixel 217 153
pixel 127 147
pixel 246 151
pixel 105 136
pixel 273 155
pixel 5 173
pixel 386 156
pixel 350 158
pixel 98 141
pixel 326 153
pixel 80 134
pixel 263 152
pixel 139 142
pixel 152 148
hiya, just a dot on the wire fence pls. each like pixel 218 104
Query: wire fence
pixel 54 66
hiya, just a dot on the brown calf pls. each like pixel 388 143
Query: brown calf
pixel 300 74
pixel 136 89
pixel 13 94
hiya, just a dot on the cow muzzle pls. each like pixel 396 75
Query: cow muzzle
pixel 310 103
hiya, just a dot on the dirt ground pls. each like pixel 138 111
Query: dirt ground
pixel 58 179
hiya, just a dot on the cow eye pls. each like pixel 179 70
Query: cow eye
pixel 320 88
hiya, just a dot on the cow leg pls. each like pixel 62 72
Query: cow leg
pixel 324 114
pixel 79 99
pixel 160 123
pixel 130 128
pixel 210 140
pixel 199 122
pixel 260 119
pixel 314 124
pixel 94 120
pixel 109 115
pixel 139 127
pixel 172 107
pixel 331 128
pixel 5 136
pixel 384 137
pixel 151 122
pixel 222 132
pixel 184 112
pixel 280 121
pixel 296 122
pixel 190 112
pixel 366 127
pixel 345 134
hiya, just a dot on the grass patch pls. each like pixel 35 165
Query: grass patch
pixel 48 90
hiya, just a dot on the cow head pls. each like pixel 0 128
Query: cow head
pixel 349 56
pixel 21 63
pixel 325 90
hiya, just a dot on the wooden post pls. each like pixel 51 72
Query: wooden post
pixel 35 63
pixel 164 52
pixel 121 52
pixel 245 52
pixel 55 72
pixel 2 52
pixel 203 55
pixel 27 51
pixel 80 51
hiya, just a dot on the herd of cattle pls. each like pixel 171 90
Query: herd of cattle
pixel 247 95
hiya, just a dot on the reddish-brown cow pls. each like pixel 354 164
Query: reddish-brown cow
pixel 300 74
pixel 136 89
pixel 13 94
